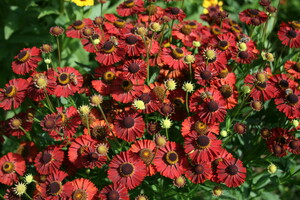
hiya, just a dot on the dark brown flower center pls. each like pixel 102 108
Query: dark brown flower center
pixel 253 12
pixel 46 158
pixel 261 86
pixel 159 91
pixel 131 40
pixel 203 141
pixel 172 157
pixel 55 188
pixel 146 98
pixel 255 21
pixel 8 167
pixel 226 91
pixel 213 106
pixel 292 98
pixel 120 23
pixel 200 127
pixel 49 124
pixel 283 83
pixel 23 56
pixel 98 21
pixel 133 68
pixel 126 169
pixel 239 128
pixel 291 34
pixel 277 149
pixel 126 85
pixel 175 11
pixel 178 53
pixel 206 75
pixel 99 132
pixel 88 31
pixel 79 194
pixel 113 195
pixel 108 47
pixel 243 55
pixel 128 122
pixel 129 3
pixel 186 30
pixel 296 67
pixel 199 169
pixel 223 45
pixel 146 155
pixel 166 109
pixel 64 78
pixel 92 157
pixel 78 24
pixel 232 169
pixel 294 144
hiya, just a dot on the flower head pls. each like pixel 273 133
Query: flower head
pixel 83 2
pixel 139 104
pixel 272 168
pixel 188 87
pixel 20 189
pixel 166 123
pixel 170 84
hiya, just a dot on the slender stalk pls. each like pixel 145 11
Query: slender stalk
pixel 88 124
pixel 101 9
pixel 249 113
pixel 58 51
pixel 28 196
pixel 191 71
pixel 92 41
pixel 167 134
pixel 187 102
pixel 26 133
pixel 105 119
pixel 48 101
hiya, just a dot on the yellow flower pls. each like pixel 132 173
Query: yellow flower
pixel 208 3
pixel 83 2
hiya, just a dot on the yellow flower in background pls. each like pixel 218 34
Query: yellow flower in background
pixel 83 2
pixel 207 3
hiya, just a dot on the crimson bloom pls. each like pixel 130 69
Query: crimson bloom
pixel 186 32
pixel 83 189
pixel 132 45
pixel 199 172
pixel 289 103
pixel 289 36
pixel 14 94
pixel 125 170
pixel 253 17
pixel 114 191
pixel 194 124
pixel 11 165
pixel 231 172
pixel 293 68
pixel 170 160
pixel 175 13
pixel 129 126
pixel 52 124
pixel 27 60
pixel 134 69
pixel 109 53
pixel 130 7
pixel 19 123
pixel 75 30
pixel 174 57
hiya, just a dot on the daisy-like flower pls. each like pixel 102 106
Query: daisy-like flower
pixel 11 165
pixel 20 188
pixel 134 69
pixel 289 36
pixel 231 172
pixel 83 189
pixel 253 17
pixel 202 147
pixel 282 82
pixel 114 191
pixel 14 94
pixel 53 188
pixel 194 124
pixel 132 45
pixel 91 158
pixel 106 76
pixel 17 124
pixel 129 126
pixel 74 30
pixel 293 68
pixel 99 130
pixel 213 58
pixel 69 81
pixel 186 32
pixel 199 172
pixel 175 13
pixel 83 2
pixel 152 14
pixel 116 26
pixel 27 60
pixel 125 170
pixel 225 42
pixel 49 160
pixel 130 7
pixel 289 103
pixel 170 160
pixel 52 124
pixel 174 57
pixel 205 75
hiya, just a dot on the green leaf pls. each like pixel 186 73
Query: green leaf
pixel 48 11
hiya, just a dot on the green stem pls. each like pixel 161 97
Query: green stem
pixel 187 102
pixel 105 119
pixel 247 116
pixel 28 196
pixel 101 9
pixel 167 134
pixel 191 71
pixel 92 41
pixel 48 101
pixel 26 133
pixel 88 124
pixel 58 51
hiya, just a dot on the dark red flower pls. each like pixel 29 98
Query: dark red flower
pixel 83 189
pixel 175 13
pixel 224 42
pixel 129 126
pixel 293 68
pixel 134 69
pixel 193 125
pixel 74 30
pixel 132 45
pixel 174 57
pixel 199 172
pixel 153 13
pixel 52 124
pixel 114 192
pixel 27 60
pixel 289 36
pixel 125 170
pixel 14 93
pixel 109 53
pixel 170 160
pixel 289 103
pixel 282 82
pixel 90 158
pixel 150 100
pixel 231 172
pixel 130 7
pixel 186 32
pixel 11 165
pixel 116 26
pixel 205 75
pixel 106 75
pixel 253 17
pixel 70 120
pixel 294 146
pixel 18 124
pixel 28 150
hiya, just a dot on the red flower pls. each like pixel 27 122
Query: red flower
pixel 205 75
pixel 129 126
pixel 91 158
pixel 199 172
pixel 174 57
pixel 83 189
pixel 202 147
pixel 231 172
pixel 170 160
pixel 116 26
pixel 19 123
pixel 289 103
pixel 293 68
pixel 27 60
pixel 53 189
pixel 13 94
pixel 49 160
pixel 145 151
pixel 244 57
pixel 69 81
pixel 225 42
pixel 175 13
pixel 126 170
pixel 186 32
pixel 289 36
pixel 132 45
pixel 106 75
pixel 109 53
pixel 193 125
pixel 229 94
pixel 52 124
pixel 75 30
pixel 88 45
pixel 134 69
pixel 28 150
pixel 114 191
pixel 11 165
pixel 282 82
pixel 262 89
pixel 153 13
pixel 150 100
pixel 99 130
pixel 253 17
pixel 130 7
pixel 293 146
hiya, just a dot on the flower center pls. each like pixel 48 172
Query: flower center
pixel 210 54
pixel 55 188
pixel 175 11
pixel 146 155
pixel 151 9
pixel 296 24
pixel 203 142
pixel 236 28
pixel 178 53
pixel 277 149
pixel 64 78
pixel 206 75
pixel 46 158
pixel 131 40
pixel 80 194
pixel 10 91
pixel 23 56
pixel 292 98
pixel 186 29
pixel 99 132
pixel 108 76
pixel 146 98
pixel 129 3
pixel 243 55
pixel 193 25
pixel 119 23
pixel 294 144
pixel 159 91
pixel 261 86
pixel 16 123
pixel 261 77
pixel 8 167
pixel 253 12
pixel 226 91
pixel 108 47
pixel 212 106
pixel 49 124
pixel 172 157
pixel 199 169
pixel 133 68
pixel 88 31
pixel 126 169
pixel 92 157
pixel 78 24
pixel 232 169
pixel 166 109
pixel 128 122
pixel 216 31
pixel 291 34
pixel 223 45
pixel 296 67
pixel 126 85
pixel 223 73
pixel 283 84
pixel 200 128
pixel 113 195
